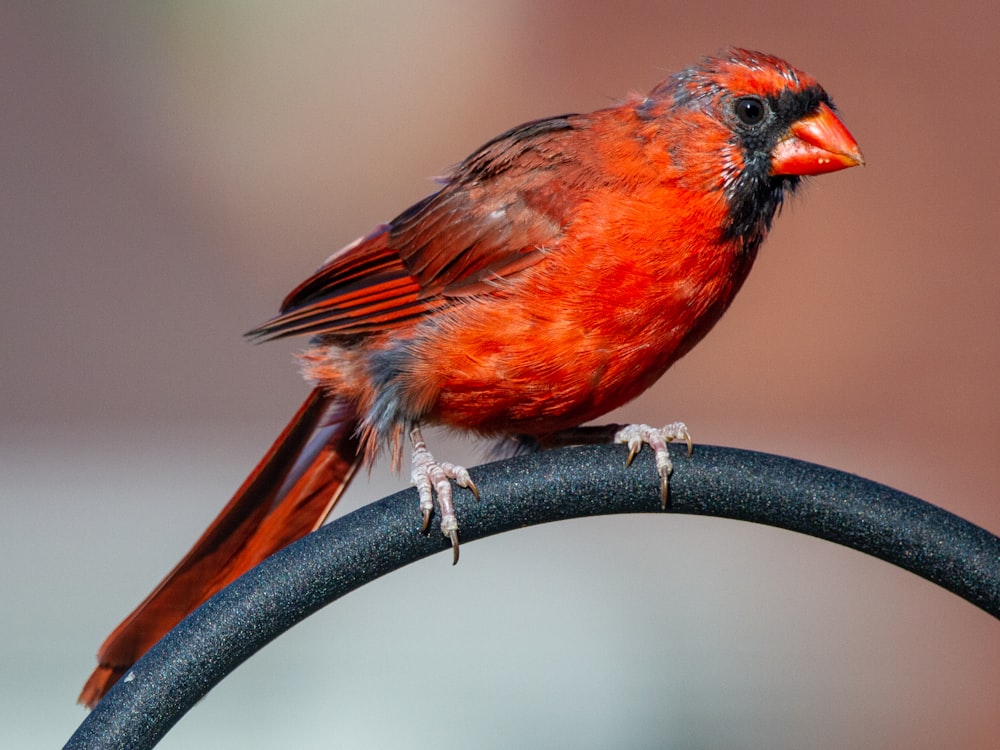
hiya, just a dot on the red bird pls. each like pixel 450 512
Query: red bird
pixel 557 273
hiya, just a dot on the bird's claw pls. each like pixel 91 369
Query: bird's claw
pixel 657 438
pixel 432 479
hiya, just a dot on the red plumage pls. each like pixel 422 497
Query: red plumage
pixel 557 273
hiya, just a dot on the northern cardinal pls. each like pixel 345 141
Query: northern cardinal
pixel 556 274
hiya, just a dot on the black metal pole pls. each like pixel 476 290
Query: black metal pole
pixel 547 486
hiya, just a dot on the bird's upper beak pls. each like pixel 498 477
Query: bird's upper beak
pixel 816 144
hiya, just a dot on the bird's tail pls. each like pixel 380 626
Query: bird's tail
pixel 289 494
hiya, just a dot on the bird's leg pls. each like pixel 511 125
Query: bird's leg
pixel 634 436
pixel 431 477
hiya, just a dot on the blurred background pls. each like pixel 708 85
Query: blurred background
pixel 168 171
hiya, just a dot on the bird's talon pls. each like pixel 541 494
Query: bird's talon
pixel 632 451
pixel 454 546
pixel 471 486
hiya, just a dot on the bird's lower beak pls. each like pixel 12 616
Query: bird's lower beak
pixel 816 144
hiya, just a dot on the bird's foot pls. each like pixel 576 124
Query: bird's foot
pixel 634 435
pixel 431 478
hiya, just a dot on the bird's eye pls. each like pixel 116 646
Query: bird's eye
pixel 750 110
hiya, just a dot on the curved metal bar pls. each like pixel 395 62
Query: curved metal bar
pixel 547 486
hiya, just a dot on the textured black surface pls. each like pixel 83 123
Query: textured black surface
pixel 528 490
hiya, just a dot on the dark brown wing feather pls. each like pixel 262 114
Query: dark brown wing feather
pixel 498 211
pixel 364 287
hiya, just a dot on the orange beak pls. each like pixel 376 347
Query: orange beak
pixel 816 144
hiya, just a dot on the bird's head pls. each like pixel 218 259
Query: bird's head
pixel 748 126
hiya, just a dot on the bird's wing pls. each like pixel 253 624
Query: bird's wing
pixel 498 212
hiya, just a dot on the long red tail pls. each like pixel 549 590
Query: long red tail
pixel 289 494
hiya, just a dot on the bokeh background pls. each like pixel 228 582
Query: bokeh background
pixel 168 171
